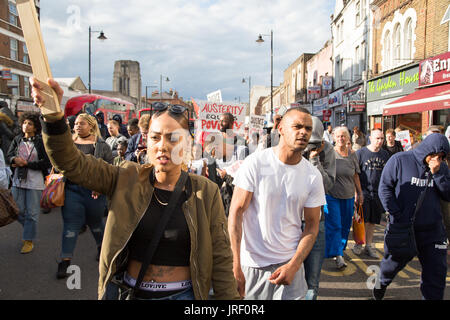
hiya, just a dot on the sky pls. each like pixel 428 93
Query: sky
pixel 201 46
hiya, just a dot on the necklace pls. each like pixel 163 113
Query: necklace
pixel 159 201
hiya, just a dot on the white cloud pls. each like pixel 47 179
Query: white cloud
pixel 201 45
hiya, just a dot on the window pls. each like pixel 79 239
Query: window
pixel 363 9
pixel 387 51
pixel 408 39
pixel 338 72
pixel 356 64
pixel 13 15
pixel 15 89
pixel 26 58
pixel 341 36
pixel 362 59
pixel 358 13
pixel 26 87
pixel 13 45
pixel 397 45
pixel 338 32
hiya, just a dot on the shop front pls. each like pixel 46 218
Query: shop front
pixel 430 103
pixel 387 88
pixel 353 98
pixel 338 114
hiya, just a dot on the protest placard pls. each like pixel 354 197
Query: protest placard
pixel 404 138
pixel 37 53
pixel 210 112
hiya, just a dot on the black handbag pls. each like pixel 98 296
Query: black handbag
pixel 399 238
pixel 125 291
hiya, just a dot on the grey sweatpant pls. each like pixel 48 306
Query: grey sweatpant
pixel 258 287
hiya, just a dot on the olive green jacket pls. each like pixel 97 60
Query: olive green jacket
pixel 130 191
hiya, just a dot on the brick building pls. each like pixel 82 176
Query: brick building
pixel 15 64
pixel 407 33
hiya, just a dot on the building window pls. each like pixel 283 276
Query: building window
pixel 14 45
pixel 358 13
pixel 26 87
pixel 357 60
pixel 26 58
pixel 362 59
pixel 13 15
pixel 363 9
pixel 397 45
pixel 408 40
pixel 387 51
pixel 341 35
pixel 15 80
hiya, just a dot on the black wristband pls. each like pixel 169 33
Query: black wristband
pixel 54 128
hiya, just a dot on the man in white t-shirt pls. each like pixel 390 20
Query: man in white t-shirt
pixel 272 188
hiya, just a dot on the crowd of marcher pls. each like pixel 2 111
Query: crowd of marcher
pixel 229 216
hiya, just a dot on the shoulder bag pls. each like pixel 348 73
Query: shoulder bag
pixel 8 208
pixel 399 238
pixel 359 232
pixel 53 195
pixel 128 293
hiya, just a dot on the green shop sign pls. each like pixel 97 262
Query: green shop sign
pixel 394 85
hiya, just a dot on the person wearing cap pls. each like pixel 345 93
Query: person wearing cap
pixel 320 154
pixel 100 116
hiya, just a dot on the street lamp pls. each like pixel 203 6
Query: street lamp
pixel 261 40
pixel 101 37
pixel 160 85
pixel 146 94
pixel 249 88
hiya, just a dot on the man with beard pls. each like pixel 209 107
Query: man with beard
pixel 273 187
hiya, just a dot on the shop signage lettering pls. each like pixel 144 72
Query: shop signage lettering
pixel 435 70
pixel 382 86
pixel 394 85
pixel 335 98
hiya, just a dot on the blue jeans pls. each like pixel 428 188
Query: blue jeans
pixel 80 209
pixel 338 221
pixel 313 263
pixel 28 201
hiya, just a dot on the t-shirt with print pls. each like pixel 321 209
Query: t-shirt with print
pixel 272 223
pixel 346 167
pixel 371 165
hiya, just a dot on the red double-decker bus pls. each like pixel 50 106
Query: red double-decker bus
pixel 90 103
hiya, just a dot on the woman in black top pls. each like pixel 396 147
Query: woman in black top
pixel 83 206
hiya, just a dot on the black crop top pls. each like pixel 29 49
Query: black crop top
pixel 174 247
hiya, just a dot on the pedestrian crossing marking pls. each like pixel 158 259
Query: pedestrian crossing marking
pixel 351 269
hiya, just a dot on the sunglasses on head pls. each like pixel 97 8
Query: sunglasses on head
pixel 176 108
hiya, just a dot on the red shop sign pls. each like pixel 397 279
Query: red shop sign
pixel 435 70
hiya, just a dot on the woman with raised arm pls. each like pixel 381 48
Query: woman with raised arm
pixel 83 206
pixel 193 253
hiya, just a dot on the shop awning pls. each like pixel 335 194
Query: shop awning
pixel 432 98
